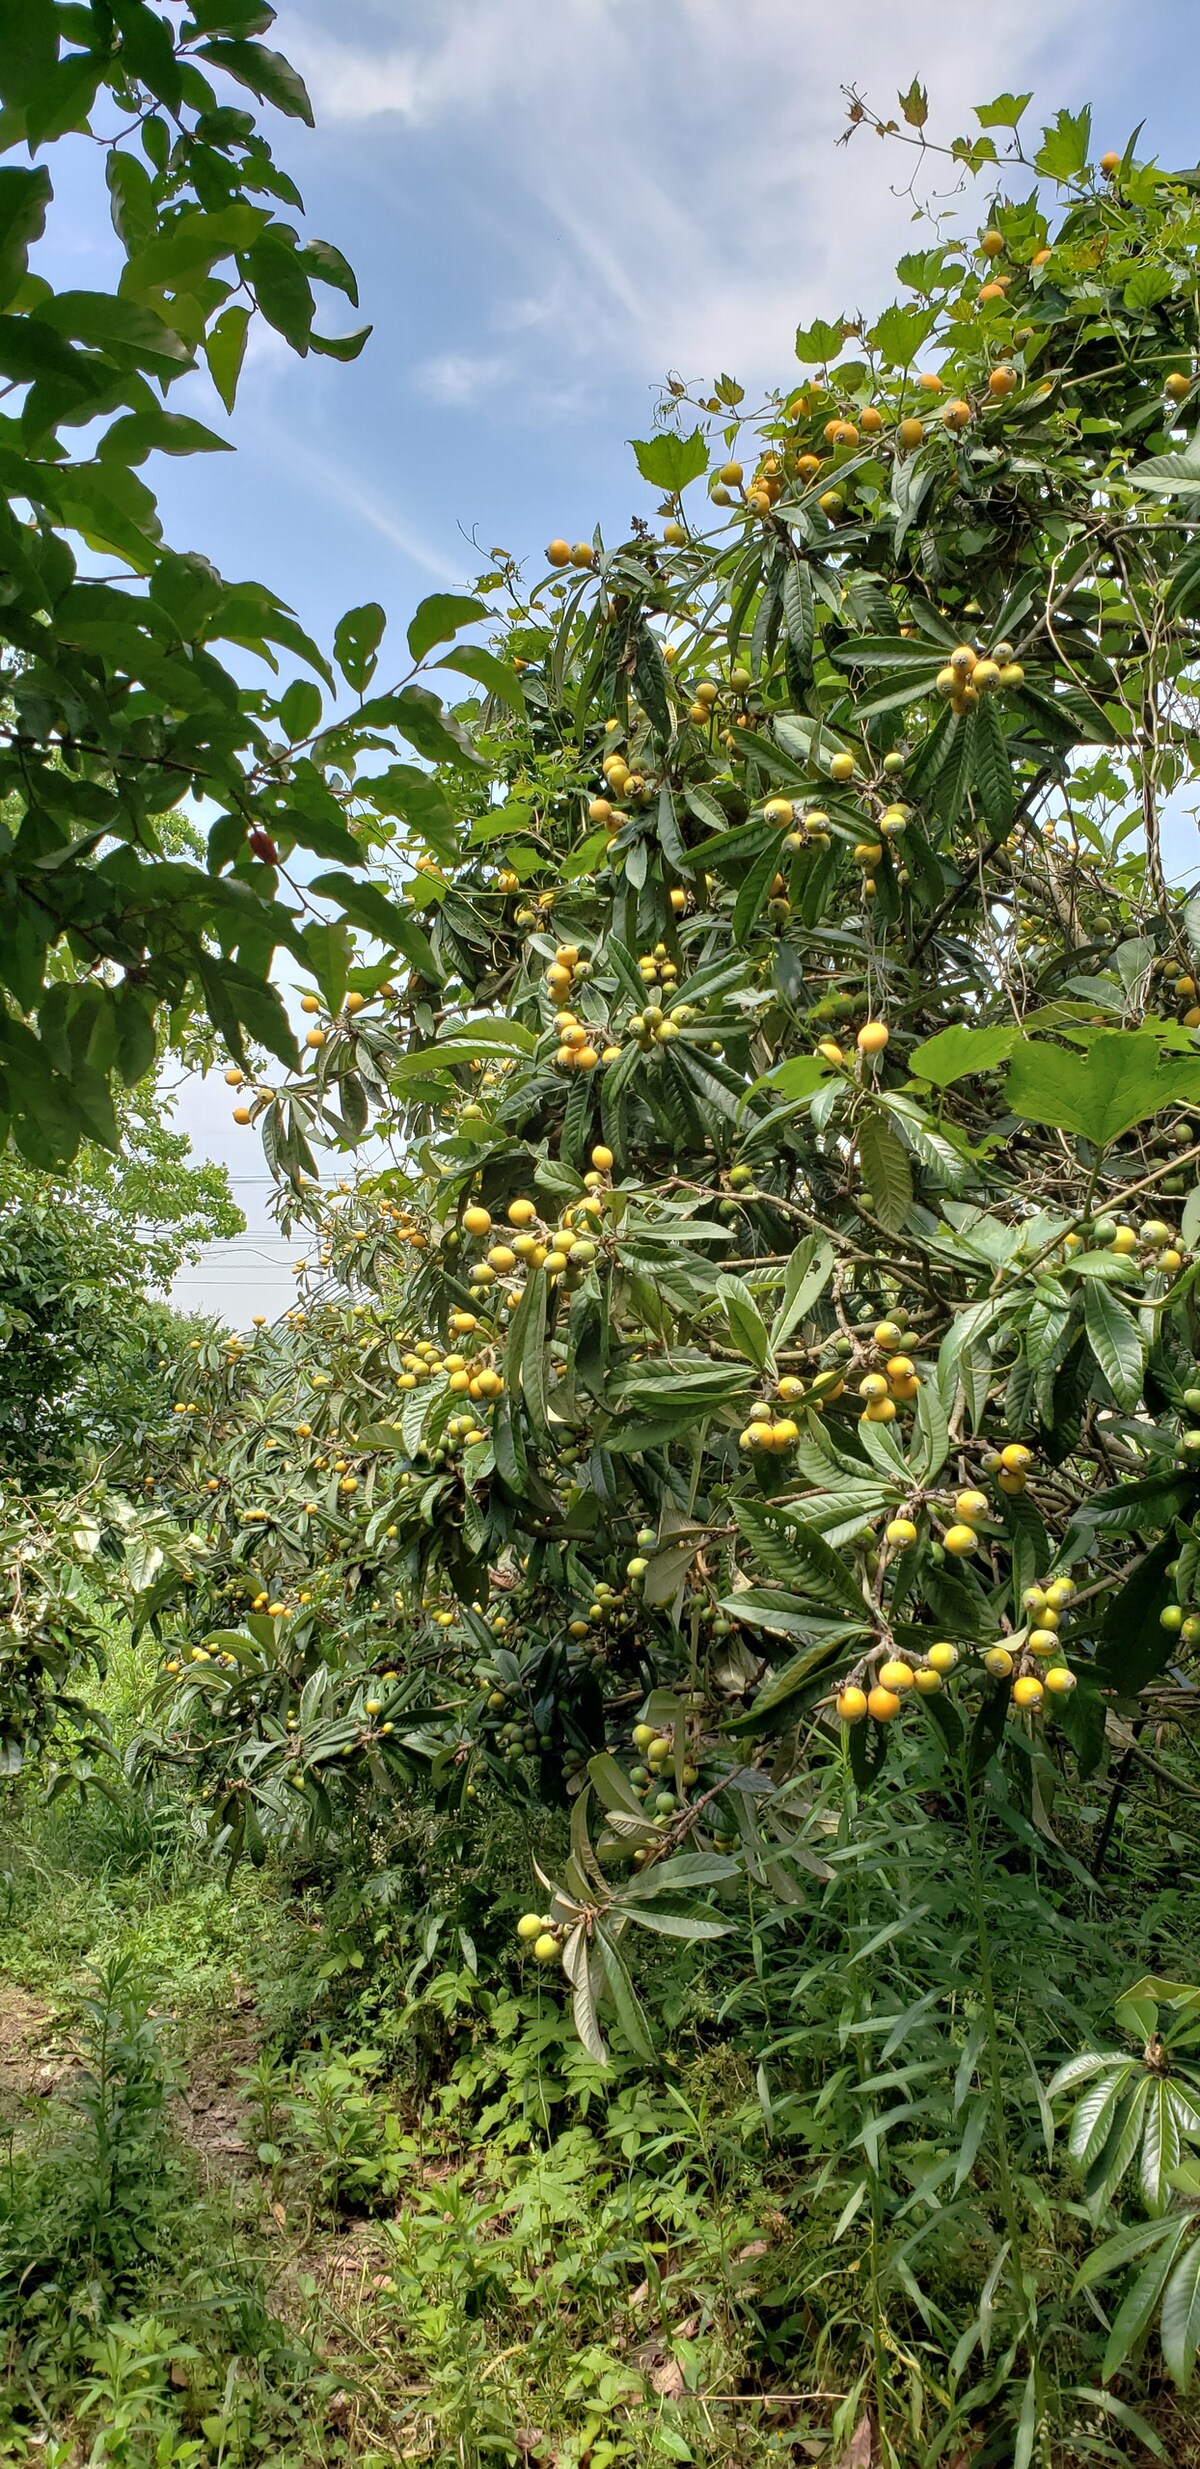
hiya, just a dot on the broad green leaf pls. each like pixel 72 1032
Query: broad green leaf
pixel 1004 113
pixel 439 618
pixel 669 461
pixel 265 72
pixel 899 334
pixel 225 349
pixel 1120 1080
pixel 495 676
pixel 1063 152
pixel 818 342
pixel 692 1926
pixel 799 1078
pixel 629 2010
pixel 356 640
pixel 28 48
pixel 394 927
pixel 665 1877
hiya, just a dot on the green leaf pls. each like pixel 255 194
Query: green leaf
pixel 1147 286
pixel 992 767
pixel 419 717
pixel 932 1433
pixel 798 612
pixel 809 1561
pixel 494 675
pixel 613 1787
pixel 1179 2326
pixel 266 73
pixel 687 1925
pixel 899 334
pixel 669 461
pixel 439 618
pixel 300 709
pixel 1136 2311
pixel 1170 474
pixel 341 346
pixel 1063 152
pixel 113 324
pixel 28 48
pixel 356 640
pixel 629 2012
pixel 224 350
pixel 189 247
pixel 1133 1647
pixel 1116 1341
pixel 807 1275
pixel 818 342
pixel 1004 113
pixel 685 1869
pixel 155 431
pixel 394 927
pixel 329 951
pixel 774 1704
pixel 1120 1080
pixel 915 105
pixel 755 888
pixel 799 1078
pixel 24 197
pixel 987 1730
pixel 281 287
pixel 886 1171
pixel 746 1325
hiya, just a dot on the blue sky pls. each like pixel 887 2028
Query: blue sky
pixel 550 204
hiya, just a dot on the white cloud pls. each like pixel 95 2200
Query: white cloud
pixel 458 377
pixel 665 178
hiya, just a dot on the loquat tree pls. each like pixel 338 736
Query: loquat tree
pixel 767 1377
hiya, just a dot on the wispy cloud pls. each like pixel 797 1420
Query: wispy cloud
pixel 366 505
pixel 664 179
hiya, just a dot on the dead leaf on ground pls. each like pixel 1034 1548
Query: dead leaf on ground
pixel 667 2379
pixel 861 2446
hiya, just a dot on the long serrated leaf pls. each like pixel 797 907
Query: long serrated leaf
pixel 1161 2144
pixel 629 2010
pixel 686 1869
pixel 798 612
pixel 688 1925
pixel 808 1273
pixel 1136 2310
pixel 1116 1342
pixel 886 1171
pixel 1179 2325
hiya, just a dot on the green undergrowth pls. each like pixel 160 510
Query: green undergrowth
pixel 437 2229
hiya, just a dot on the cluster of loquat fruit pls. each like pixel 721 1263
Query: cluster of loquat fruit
pixel 969 674
pixel 560 553
pixel 564 1252
pixel 1154 1241
pixel 1026 1660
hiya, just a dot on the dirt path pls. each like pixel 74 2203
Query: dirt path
pixel 30 2061
pixel 210 2112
